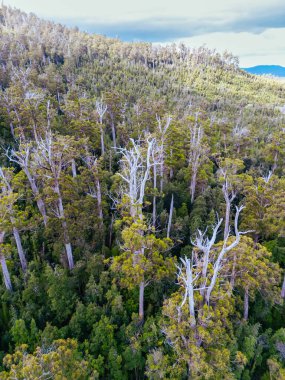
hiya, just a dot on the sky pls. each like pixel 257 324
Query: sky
pixel 254 30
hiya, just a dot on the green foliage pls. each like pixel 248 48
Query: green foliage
pixel 119 311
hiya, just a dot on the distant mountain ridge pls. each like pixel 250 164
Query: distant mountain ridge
pixel 278 71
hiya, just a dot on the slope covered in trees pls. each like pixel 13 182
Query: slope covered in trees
pixel 142 210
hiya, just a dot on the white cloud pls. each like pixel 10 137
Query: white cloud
pixel 130 9
pixel 266 48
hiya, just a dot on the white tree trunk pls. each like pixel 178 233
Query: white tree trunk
pixel 227 219
pixel 99 202
pixel 5 272
pixel 193 183
pixel 102 141
pixel 283 288
pixel 190 289
pixel 113 134
pixel 101 108
pixel 73 168
pixel 21 252
pixel 12 130
pixel 36 192
pixel 161 170
pixel 67 244
pixel 154 197
pixel 225 249
pixel 246 305
pixel 141 301
pixel 228 199
pixel 69 255
pixel 196 151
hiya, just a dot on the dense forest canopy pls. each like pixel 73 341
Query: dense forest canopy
pixel 142 210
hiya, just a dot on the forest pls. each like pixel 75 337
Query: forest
pixel 142 210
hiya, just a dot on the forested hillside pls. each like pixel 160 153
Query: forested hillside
pixel 142 210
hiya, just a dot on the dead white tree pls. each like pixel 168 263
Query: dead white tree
pixel 34 98
pixel 162 131
pixel 22 157
pixel 135 172
pixel 73 168
pixel 201 271
pixel 231 185
pixel 205 245
pixel 7 192
pixel 229 195
pixel 224 250
pixel 155 162
pixel 195 154
pixel 186 280
pixel 267 177
pixel 52 155
pixel 154 188
pixel 239 133
pixel 5 271
pixel 94 188
pixel 246 304
pixel 101 108
pixel 170 216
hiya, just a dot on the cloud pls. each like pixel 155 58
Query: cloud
pixel 253 49
pixel 169 28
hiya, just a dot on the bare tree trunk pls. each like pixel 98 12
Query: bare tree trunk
pixel 73 168
pixel 113 134
pixel 101 109
pixel 227 219
pixel 196 150
pixel 161 174
pixel 190 290
pixel 154 197
pixel 20 249
pixel 67 244
pixel 193 184
pixel 6 275
pixel 5 272
pixel 141 301
pixel 283 289
pixel 154 210
pixel 229 196
pixel 36 192
pixel 42 209
pixel 69 255
pixel 162 133
pixel 99 202
pixel 102 141
pixel 12 130
pixel 7 188
pixel 224 250
pixel 170 217
pixel 274 167
pixel 171 169
pixel 99 199
pixel 246 305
